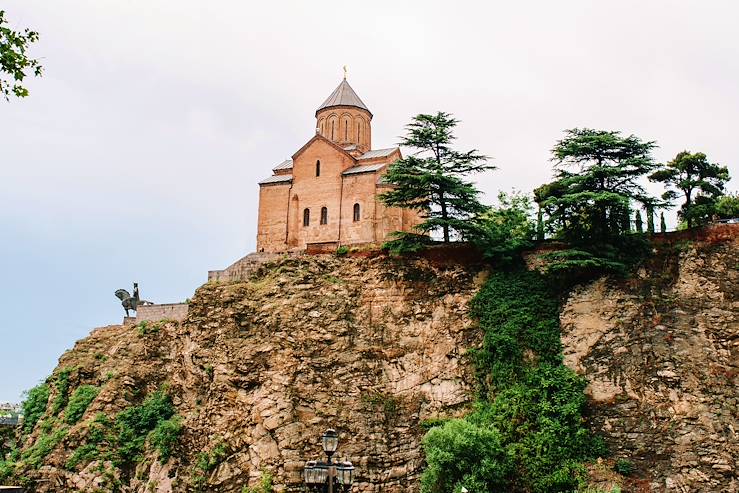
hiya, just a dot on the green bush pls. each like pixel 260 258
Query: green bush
pixel 503 232
pixel 61 382
pixel 526 432
pixel 132 426
pixel 165 436
pixel 264 486
pixel 342 251
pixel 35 455
pixel 727 207
pixel 34 406
pixel 79 401
pixel 624 467
pixel 462 453
pixel 123 440
pixel 207 461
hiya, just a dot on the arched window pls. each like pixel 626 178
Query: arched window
pixel 306 217
pixel 356 212
pixel 324 215
pixel 318 167
pixel 333 125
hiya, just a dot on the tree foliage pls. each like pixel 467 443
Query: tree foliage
pixel 507 229
pixel 597 175
pixel 432 179
pixel 15 62
pixel 700 182
pixel 727 207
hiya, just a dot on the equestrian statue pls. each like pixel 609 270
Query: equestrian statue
pixel 130 302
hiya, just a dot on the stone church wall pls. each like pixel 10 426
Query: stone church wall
pixel 271 231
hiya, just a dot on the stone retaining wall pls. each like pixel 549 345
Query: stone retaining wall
pixel 168 311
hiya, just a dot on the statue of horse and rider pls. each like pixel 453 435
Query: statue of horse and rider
pixel 130 302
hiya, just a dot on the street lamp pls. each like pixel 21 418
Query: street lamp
pixel 329 477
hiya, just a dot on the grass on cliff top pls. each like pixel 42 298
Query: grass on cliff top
pixel 527 432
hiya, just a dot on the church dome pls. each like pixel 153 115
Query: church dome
pixel 343 95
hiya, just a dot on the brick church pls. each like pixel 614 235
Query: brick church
pixel 326 196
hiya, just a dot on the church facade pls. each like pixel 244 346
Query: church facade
pixel 327 195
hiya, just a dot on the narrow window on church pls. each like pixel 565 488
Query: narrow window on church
pixel 318 168
pixel 306 217
pixel 346 132
pixel 324 215
pixel 356 212
pixel 332 129
pixel 357 131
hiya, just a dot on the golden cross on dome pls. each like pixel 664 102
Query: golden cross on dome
pixel 345 72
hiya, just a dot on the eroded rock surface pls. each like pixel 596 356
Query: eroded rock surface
pixel 661 352
pixel 370 347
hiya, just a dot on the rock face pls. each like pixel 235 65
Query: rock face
pixel 373 346
pixel 661 352
pixel 368 346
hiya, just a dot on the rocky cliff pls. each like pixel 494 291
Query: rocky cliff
pixel 661 353
pixel 375 346
pixel 259 369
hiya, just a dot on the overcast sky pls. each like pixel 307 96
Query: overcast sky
pixel 136 156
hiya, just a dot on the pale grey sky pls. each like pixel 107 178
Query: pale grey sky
pixel 137 154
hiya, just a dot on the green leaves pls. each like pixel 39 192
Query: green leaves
pixel 14 60
pixel 701 182
pixel 527 431
pixel 34 406
pixel 79 402
pixel 597 175
pixel 431 180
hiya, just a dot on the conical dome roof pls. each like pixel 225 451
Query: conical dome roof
pixel 343 95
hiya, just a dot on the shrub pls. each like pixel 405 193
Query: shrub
pixel 727 207
pixel 61 382
pixel 264 486
pixel 624 467
pixel 132 425
pixel 503 232
pixel 165 436
pixel 461 453
pixel 79 402
pixel 527 432
pixel 34 406
pixel 35 455
pixel 342 251
pixel 207 461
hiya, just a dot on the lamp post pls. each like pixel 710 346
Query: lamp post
pixel 329 477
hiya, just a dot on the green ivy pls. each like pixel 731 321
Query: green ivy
pixel 61 382
pixel 165 436
pixel 34 406
pixel 526 432
pixel 79 402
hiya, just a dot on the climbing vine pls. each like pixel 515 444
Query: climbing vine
pixel 527 432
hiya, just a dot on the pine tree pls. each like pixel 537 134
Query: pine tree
pixel 701 183
pixel 650 219
pixel 431 179
pixel 638 222
pixel 662 223
pixel 597 176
